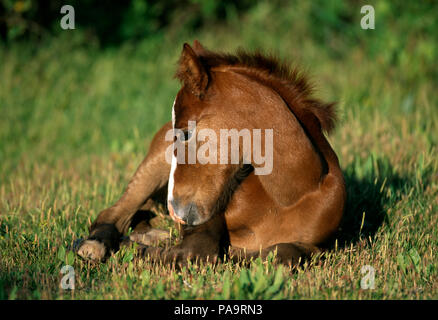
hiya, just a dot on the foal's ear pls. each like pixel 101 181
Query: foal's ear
pixel 191 72
pixel 198 48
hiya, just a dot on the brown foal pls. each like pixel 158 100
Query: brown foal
pixel 291 210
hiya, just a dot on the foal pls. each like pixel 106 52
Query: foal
pixel 291 211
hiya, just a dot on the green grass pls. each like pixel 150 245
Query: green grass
pixel 77 120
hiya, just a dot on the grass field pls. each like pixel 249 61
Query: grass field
pixel 76 120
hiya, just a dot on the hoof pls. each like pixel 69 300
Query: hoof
pixel 92 250
pixel 150 237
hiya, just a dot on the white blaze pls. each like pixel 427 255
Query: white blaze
pixel 173 163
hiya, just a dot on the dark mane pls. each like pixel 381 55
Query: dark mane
pixel 289 82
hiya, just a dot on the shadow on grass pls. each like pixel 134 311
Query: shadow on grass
pixel 372 187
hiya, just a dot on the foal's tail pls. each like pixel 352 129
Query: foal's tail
pixel 291 254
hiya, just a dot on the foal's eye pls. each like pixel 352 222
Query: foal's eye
pixel 186 135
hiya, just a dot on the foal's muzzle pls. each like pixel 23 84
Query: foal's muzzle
pixel 184 214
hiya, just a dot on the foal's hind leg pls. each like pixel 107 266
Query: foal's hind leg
pixel 149 180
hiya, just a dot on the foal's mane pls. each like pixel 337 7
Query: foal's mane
pixel 290 83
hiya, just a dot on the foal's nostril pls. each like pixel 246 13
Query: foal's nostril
pixel 191 213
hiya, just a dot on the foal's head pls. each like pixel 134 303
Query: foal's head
pixel 200 182
pixel 221 93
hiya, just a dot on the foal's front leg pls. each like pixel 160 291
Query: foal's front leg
pixel 149 179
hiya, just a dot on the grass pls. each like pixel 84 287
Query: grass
pixel 76 120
